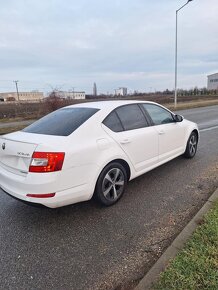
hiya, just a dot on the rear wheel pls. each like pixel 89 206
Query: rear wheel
pixel 111 184
pixel 191 147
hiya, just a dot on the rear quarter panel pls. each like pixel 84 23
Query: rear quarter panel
pixel 88 151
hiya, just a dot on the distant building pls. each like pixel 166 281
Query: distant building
pixel 95 93
pixel 212 82
pixel 23 96
pixel 121 92
pixel 72 95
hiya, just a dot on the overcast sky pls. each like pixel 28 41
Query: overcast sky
pixel 69 43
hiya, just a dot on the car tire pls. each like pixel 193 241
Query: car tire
pixel 111 184
pixel 191 147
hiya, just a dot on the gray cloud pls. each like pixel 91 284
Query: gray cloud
pixel 115 43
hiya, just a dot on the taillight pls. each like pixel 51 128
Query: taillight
pixel 42 195
pixel 46 162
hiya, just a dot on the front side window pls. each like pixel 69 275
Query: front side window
pixel 158 114
pixel 62 122
pixel 131 117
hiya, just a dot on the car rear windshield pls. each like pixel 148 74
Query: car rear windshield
pixel 62 122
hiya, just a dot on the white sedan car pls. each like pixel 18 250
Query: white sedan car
pixel 91 149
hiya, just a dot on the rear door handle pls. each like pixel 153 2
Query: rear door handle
pixel 125 141
pixel 161 132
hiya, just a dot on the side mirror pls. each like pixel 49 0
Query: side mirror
pixel 178 118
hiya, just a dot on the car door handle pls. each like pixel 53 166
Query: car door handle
pixel 125 141
pixel 161 132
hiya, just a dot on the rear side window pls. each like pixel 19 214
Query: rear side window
pixel 158 114
pixel 62 122
pixel 131 117
pixel 113 122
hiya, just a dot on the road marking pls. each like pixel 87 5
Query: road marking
pixel 209 129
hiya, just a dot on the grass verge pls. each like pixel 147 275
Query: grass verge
pixel 192 104
pixel 8 120
pixel 11 129
pixel 196 266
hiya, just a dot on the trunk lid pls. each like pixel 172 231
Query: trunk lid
pixel 15 156
pixel 19 147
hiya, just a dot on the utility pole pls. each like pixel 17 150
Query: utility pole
pixel 18 98
pixel 176 52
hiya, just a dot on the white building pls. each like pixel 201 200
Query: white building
pixel 72 95
pixel 212 82
pixel 23 96
pixel 121 92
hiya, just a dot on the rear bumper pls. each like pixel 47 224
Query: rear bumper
pixel 19 186
pixel 61 198
pixel 21 200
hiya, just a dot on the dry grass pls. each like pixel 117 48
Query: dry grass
pixel 193 104
pixel 11 129
pixel 8 120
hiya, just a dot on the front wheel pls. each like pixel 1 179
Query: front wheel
pixel 111 184
pixel 191 147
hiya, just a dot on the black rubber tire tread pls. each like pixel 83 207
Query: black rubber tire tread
pixel 98 195
pixel 187 153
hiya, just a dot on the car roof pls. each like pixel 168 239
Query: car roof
pixel 107 104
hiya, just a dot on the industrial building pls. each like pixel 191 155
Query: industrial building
pixel 212 82
pixel 22 96
pixel 71 95
pixel 121 92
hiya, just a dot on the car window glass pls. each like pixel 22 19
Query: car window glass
pixel 131 117
pixel 158 114
pixel 113 122
pixel 61 122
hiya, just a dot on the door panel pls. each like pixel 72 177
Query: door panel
pixel 171 140
pixel 171 134
pixel 130 129
pixel 140 145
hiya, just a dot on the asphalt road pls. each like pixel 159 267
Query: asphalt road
pixel 85 246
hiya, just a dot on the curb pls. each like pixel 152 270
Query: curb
pixel 153 274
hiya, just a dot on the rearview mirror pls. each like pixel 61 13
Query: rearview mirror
pixel 178 118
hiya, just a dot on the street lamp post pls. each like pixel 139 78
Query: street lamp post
pixel 176 52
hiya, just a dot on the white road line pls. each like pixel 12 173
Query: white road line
pixel 209 129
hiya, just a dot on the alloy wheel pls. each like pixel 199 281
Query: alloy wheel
pixel 193 145
pixel 113 184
